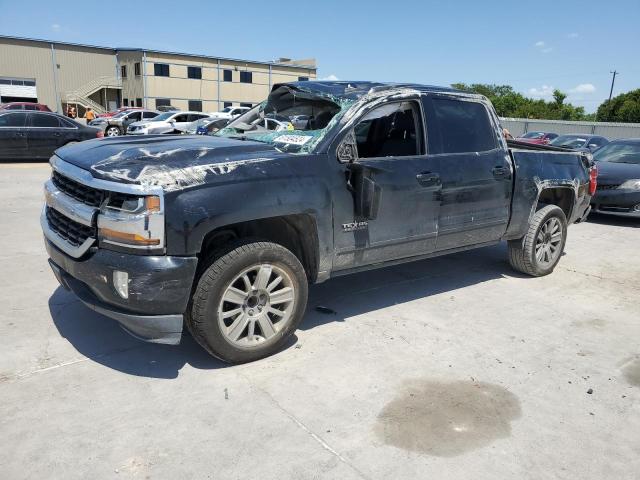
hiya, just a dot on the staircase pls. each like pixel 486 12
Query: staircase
pixel 81 95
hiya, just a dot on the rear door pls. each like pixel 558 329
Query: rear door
pixel 13 135
pixel 44 134
pixel 475 171
pixel 391 151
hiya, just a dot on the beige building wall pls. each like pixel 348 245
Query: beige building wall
pixel 132 84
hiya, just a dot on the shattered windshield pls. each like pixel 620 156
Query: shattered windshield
pixel 290 119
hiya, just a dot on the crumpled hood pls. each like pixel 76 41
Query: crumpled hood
pixel 172 162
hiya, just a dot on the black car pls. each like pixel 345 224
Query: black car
pixel 618 191
pixel 35 135
pixel 577 141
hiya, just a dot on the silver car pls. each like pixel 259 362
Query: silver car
pixel 118 124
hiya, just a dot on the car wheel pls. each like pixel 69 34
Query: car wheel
pixel 248 301
pixel 539 251
pixel 112 131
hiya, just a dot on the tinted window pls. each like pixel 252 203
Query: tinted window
pixel 30 107
pixel 123 71
pixel 12 120
pixel 163 102
pixel 227 76
pixel 456 126
pixel 194 72
pixel 43 120
pixel 389 131
pixel 149 115
pixel 246 77
pixel 161 69
pixel 136 68
pixel 181 118
pixel 227 104
pixel 135 116
pixel 67 123
pixel 14 107
pixel 125 102
pixel 195 105
pixel 138 102
pixel 193 117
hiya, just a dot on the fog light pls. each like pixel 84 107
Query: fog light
pixel 121 283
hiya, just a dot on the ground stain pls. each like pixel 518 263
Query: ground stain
pixel 446 419
pixel 631 372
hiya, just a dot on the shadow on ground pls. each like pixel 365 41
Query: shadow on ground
pixel 614 220
pixel 102 340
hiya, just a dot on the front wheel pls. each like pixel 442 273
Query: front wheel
pixel 248 301
pixel 112 131
pixel 539 251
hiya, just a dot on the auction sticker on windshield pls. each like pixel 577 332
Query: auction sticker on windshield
pixel 293 139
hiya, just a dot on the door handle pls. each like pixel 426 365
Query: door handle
pixel 501 172
pixel 427 179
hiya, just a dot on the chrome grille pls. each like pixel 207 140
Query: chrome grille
pixel 73 232
pixel 83 193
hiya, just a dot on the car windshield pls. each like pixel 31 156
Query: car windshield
pixel 121 114
pixel 163 116
pixel 569 141
pixel 533 135
pixel 284 104
pixel 619 153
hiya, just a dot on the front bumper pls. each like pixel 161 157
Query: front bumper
pixel 620 202
pixel 159 289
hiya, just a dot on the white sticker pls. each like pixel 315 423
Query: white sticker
pixel 293 139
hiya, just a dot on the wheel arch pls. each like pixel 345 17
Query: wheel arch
pixel 562 196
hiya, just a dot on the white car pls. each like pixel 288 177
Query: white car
pixel 230 112
pixel 167 122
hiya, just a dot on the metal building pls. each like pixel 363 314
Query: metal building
pixel 103 78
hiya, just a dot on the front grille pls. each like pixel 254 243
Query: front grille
pixel 73 232
pixel 82 193
pixel 607 187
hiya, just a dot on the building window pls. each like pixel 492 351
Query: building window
pixel 246 105
pixel 227 104
pixel 246 77
pixel 194 72
pixel 303 79
pixel 138 102
pixel 125 102
pixel 123 71
pixel 161 69
pixel 195 105
pixel 163 102
pixel 136 69
pixel 227 76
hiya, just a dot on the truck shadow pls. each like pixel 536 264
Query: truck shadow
pixel 103 341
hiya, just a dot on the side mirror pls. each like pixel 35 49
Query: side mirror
pixel 348 149
pixel 366 192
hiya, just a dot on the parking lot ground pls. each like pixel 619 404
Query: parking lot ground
pixel 450 368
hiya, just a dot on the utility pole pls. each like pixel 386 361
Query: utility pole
pixel 613 80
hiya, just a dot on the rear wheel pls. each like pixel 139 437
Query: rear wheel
pixel 248 301
pixel 112 131
pixel 539 251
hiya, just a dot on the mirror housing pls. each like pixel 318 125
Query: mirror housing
pixel 348 149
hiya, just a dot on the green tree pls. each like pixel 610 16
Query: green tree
pixel 623 108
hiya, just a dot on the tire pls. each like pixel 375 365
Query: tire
pixel 112 131
pixel 235 320
pixel 538 252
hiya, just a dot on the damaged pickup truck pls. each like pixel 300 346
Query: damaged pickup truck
pixel 223 234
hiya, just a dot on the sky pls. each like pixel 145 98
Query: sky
pixel 533 46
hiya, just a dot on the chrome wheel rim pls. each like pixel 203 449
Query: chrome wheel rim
pixel 549 242
pixel 256 305
pixel 112 132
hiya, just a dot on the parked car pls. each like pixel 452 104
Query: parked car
pixel 35 135
pixel 230 112
pixel 167 108
pixel 24 106
pixel 167 122
pixel 118 110
pixel 206 126
pixel 223 233
pixel 118 124
pixel 587 143
pixel 618 191
pixel 537 138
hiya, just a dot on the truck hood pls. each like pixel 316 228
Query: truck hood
pixel 172 162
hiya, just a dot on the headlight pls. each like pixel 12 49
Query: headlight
pixel 132 221
pixel 633 184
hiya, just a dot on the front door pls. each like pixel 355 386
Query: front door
pixel 391 152
pixel 13 135
pixel 475 171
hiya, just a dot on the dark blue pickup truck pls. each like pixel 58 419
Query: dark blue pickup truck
pixel 223 234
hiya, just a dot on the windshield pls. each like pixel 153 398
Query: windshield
pixel 619 153
pixel 533 135
pixel 292 120
pixel 163 116
pixel 569 141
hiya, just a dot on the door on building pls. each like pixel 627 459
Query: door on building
pixel 13 135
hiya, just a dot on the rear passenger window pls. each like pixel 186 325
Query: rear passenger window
pixel 12 120
pixel 458 126
pixel 392 130
pixel 43 120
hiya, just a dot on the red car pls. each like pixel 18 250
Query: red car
pixel 121 109
pixel 538 138
pixel 24 106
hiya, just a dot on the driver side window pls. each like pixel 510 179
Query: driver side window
pixel 391 130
